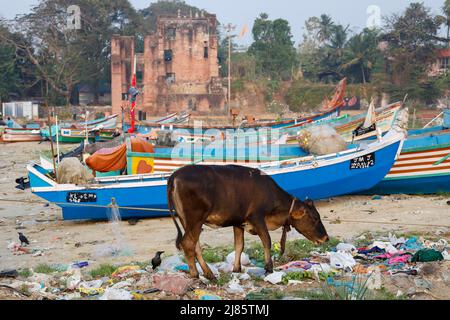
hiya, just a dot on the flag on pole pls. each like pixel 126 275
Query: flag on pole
pixel 243 32
pixel 133 92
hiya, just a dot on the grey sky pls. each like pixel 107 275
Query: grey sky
pixel 244 12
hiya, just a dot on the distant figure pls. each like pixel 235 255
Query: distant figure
pixel 23 239
pixel 156 261
pixel 9 123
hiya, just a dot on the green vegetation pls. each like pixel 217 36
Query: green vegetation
pixel 25 273
pixel 223 279
pixel 300 249
pixel 45 268
pixel 104 270
pixel 214 255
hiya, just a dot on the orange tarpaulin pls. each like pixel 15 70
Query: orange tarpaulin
pixel 139 145
pixel 113 159
pixel 106 160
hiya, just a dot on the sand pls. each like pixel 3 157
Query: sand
pixel 66 242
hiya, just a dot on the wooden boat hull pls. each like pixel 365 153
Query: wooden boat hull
pixel 21 135
pixel 423 166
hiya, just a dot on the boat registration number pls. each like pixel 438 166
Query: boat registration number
pixel 363 162
pixel 79 197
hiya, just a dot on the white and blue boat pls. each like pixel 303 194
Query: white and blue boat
pixel 145 195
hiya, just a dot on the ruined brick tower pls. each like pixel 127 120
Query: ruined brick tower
pixel 179 69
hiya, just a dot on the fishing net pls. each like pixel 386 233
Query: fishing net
pixel 71 171
pixel 321 140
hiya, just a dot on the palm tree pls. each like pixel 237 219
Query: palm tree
pixel 360 53
pixel 326 27
pixel 446 10
pixel 338 38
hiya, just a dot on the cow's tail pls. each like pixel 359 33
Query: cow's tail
pixel 170 189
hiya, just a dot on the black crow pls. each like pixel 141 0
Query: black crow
pixel 23 239
pixel 156 261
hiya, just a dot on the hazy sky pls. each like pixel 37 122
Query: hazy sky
pixel 244 12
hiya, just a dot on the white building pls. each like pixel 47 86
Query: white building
pixel 20 109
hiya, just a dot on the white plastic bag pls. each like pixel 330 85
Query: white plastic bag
pixel 341 260
pixel 245 260
pixel 116 294
pixel 346 247
pixel 275 277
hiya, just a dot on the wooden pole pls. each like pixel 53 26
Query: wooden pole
pixel 51 139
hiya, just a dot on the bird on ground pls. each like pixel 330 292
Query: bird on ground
pixel 156 261
pixel 23 239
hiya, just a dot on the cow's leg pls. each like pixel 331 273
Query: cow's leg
pixel 283 242
pixel 263 233
pixel 188 243
pixel 206 270
pixel 238 248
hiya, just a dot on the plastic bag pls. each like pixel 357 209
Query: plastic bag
pixel 169 263
pixel 245 260
pixel 321 140
pixel 346 247
pixel 341 260
pixel 116 294
pixel 275 277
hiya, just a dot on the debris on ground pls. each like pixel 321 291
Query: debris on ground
pixel 398 267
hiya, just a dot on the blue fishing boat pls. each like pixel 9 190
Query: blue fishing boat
pixel 423 166
pixel 145 195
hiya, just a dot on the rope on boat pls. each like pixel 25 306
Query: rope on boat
pixel 83 205
pixel 334 221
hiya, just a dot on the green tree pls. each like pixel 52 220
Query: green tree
pixel 16 71
pixel 412 44
pixel 166 8
pixel 100 21
pixel 326 28
pixel 273 47
pixel 446 10
pixel 360 56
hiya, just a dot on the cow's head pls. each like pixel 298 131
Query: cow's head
pixel 306 219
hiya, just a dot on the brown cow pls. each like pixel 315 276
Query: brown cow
pixel 238 197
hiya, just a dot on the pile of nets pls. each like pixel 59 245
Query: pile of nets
pixel 72 171
pixel 321 140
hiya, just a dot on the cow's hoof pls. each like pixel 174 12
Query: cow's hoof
pixel 237 270
pixel 268 272
pixel 269 269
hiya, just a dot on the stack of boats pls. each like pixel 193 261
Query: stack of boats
pixel 95 130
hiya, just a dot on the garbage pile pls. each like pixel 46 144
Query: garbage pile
pixel 409 266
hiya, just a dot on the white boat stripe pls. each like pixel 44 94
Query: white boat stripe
pixel 419 167
pixel 441 153
pixel 434 159
pixel 418 173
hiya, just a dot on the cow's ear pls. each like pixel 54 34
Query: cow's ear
pixel 298 213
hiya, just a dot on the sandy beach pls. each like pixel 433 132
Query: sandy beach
pixel 67 241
